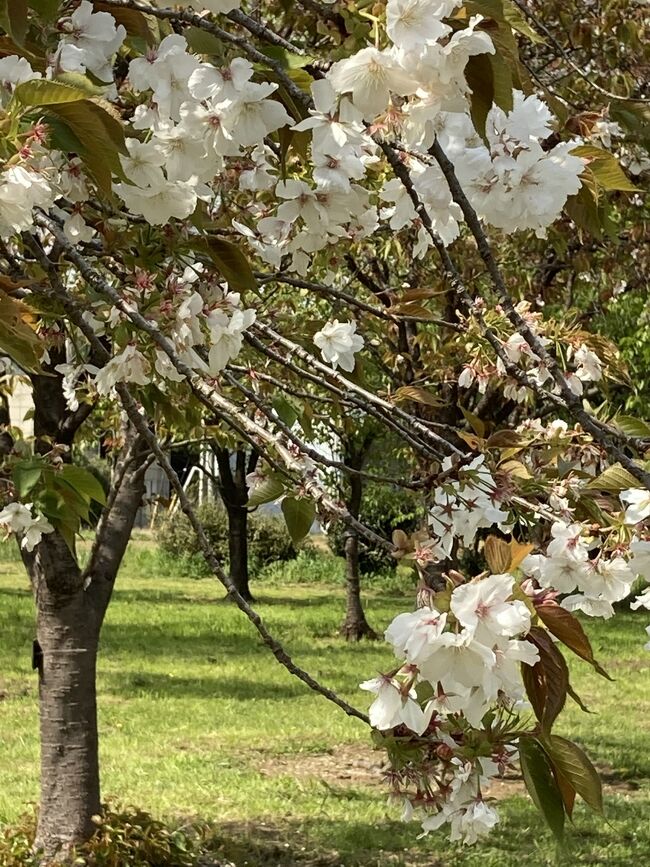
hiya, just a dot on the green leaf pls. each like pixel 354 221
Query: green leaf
pixel 81 82
pixel 605 168
pixel 83 482
pixel 478 73
pixel 488 8
pixel 202 42
pixel 613 480
pixel 632 426
pixel 585 212
pixel 232 263
pixel 100 137
pixel 287 58
pixel 48 10
pixel 574 765
pixel 542 786
pixel 76 504
pixel 634 116
pixel 286 412
pixel 40 92
pixel 14 19
pixel 56 509
pixel 299 515
pixel 518 22
pixel 26 475
pixel 267 492
pixel 477 425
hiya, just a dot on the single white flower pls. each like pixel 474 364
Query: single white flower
pixel 591 606
pixel 14 70
pixel 130 365
pixel 415 634
pixel 77 230
pixel 89 41
pixel 638 504
pixel 371 76
pixel 589 365
pixel 412 24
pixel 33 534
pixel 391 708
pixel 640 560
pixel 338 343
pixel 486 608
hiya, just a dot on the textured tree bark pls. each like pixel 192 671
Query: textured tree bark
pixel 70 609
pixel 68 626
pixel 355 626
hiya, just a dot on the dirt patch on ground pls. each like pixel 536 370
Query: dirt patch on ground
pixel 358 765
pixel 349 764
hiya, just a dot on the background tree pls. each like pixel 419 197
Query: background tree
pixel 233 489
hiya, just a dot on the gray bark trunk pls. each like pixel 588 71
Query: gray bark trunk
pixel 70 609
pixel 67 634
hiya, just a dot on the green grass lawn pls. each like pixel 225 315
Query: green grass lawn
pixel 198 721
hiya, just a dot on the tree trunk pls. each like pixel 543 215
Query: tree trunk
pixel 234 494
pixel 355 626
pixel 238 549
pixel 70 609
pixel 67 635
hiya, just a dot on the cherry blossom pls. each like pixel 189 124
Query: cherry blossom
pixel 338 343
pixel 638 505
pixel 370 76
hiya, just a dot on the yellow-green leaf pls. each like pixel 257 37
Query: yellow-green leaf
pixel 605 168
pixel 266 492
pixel 417 394
pixel 100 137
pixel 299 515
pixel 613 480
pixel 40 92
pixel 17 339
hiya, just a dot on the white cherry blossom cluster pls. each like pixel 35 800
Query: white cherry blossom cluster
pixel 573 561
pixel 582 364
pixel 417 89
pixel 457 665
pixel 460 508
pixel 204 322
pixel 513 182
pixel 193 121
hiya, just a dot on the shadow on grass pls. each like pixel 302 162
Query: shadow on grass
pixel 210 638
pixel 520 841
pixel 16 592
pixel 220 686
pixel 215 595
